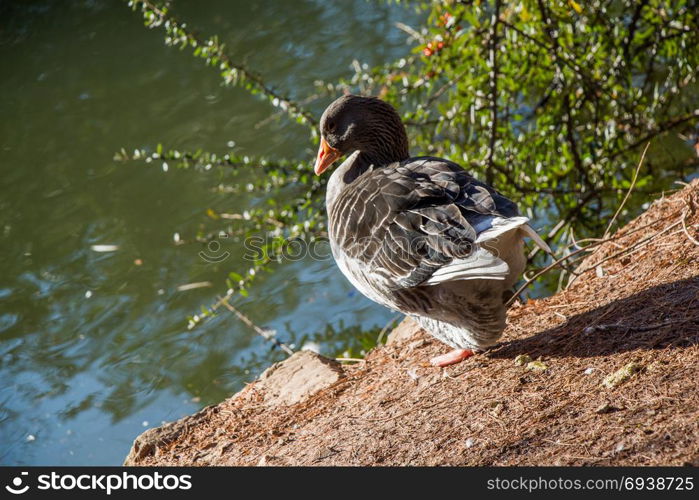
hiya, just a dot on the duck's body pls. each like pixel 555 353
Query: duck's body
pixel 420 235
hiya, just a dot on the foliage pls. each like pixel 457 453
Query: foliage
pixel 548 101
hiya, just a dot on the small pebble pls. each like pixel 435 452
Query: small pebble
pixel 30 438
pixel 88 294
pixel 470 442
pixel 589 371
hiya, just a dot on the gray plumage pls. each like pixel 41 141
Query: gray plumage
pixel 419 235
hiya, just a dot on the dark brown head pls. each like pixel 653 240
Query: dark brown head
pixel 367 124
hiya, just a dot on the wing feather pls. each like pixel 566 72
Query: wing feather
pixel 421 222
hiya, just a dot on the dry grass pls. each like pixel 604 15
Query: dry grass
pixel 641 308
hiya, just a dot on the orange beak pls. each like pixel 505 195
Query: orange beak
pixel 326 157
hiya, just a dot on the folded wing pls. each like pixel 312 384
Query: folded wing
pixel 423 222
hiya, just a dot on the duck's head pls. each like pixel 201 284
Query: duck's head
pixel 367 124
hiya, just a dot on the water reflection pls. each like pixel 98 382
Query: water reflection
pixel 93 345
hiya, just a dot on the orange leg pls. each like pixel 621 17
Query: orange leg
pixel 452 357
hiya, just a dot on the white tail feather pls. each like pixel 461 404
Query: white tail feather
pixel 483 263
pixel 536 238
pixel 501 226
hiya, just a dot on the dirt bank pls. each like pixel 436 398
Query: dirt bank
pixel 604 373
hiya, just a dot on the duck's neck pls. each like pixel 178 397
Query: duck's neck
pixel 379 156
pixel 345 174
pixel 355 165
pixel 388 146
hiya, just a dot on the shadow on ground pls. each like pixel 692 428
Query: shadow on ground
pixel 663 316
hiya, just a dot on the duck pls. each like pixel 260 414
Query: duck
pixel 419 235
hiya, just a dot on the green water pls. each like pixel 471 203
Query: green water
pixel 94 349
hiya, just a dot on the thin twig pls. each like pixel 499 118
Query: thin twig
pixel 611 239
pixel 644 328
pixel 587 248
pixel 545 270
pixel 662 128
pixel 569 218
pixel 264 334
pixel 353 360
pixel 269 220
pixel 493 56
pixel 628 193
pixel 415 35
pixel 290 106
pixel 573 144
pixel 686 232
pixel 625 250
pixel 438 93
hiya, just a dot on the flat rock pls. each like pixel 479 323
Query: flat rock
pixel 297 378
pixel 407 329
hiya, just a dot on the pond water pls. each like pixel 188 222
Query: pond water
pixel 94 346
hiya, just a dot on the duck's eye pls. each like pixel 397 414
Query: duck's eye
pixel 331 127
